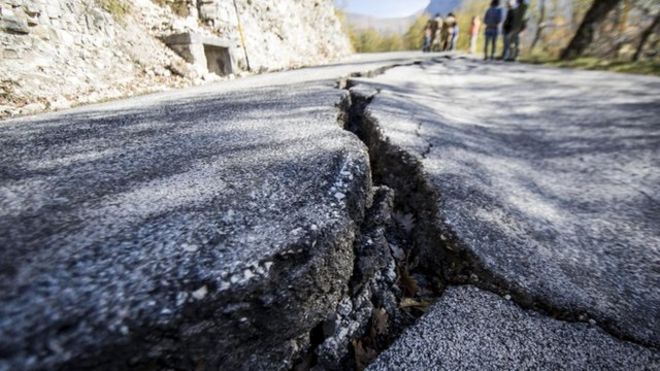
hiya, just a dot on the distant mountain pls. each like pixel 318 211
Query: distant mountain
pixel 402 24
pixel 382 25
pixel 442 6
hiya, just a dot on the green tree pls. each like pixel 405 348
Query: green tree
pixel 585 34
pixel 413 39
pixel 369 41
pixel 347 28
pixel 469 9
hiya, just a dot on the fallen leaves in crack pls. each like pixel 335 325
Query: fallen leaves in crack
pixel 422 305
pixel 364 355
pixel 380 322
pixel 364 349
pixel 407 282
pixel 405 221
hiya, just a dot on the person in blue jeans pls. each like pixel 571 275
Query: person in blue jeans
pixel 507 30
pixel 492 20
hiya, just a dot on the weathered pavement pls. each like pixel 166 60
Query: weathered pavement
pixel 541 185
pixel 470 328
pixel 201 229
pixel 236 226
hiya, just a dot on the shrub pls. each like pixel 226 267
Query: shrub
pixel 179 7
pixel 118 8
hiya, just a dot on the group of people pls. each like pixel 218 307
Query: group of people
pixel 512 25
pixel 441 34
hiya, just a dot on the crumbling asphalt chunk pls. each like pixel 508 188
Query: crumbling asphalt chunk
pixel 209 228
pixel 372 289
pixel 179 236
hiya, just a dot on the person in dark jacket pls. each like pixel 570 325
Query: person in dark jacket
pixel 492 20
pixel 519 24
pixel 435 24
pixel 453 39
pixel 507 29
pixel 428 37
pixel 436 45
pixel 447 30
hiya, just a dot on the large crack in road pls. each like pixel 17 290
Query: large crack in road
pixel 443 256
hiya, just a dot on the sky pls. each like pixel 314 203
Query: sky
pixel 383 8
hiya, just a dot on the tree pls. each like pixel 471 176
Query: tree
pixel 345 27
pixel 413 39
pixel 584 36
pixel 645 36
pixel 541 25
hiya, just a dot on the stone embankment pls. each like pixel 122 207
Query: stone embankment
pixel 59 53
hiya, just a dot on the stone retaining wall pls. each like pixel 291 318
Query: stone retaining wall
pixel 58 53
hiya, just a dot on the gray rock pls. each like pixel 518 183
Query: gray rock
pixel 53 10
pixel 208 10
pixel 31 108
pixel 470 329
pixel 59 103
pixel 32 9
pixel 12 24
pixel 546 183
pixel 10 54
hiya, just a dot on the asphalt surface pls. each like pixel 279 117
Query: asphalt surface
pixel 201 228
pixel 214 227
pixel 549 179
pixel 472 329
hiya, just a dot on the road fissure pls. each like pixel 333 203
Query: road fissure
pixel 438 253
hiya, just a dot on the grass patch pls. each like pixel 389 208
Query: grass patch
pixel 179 7
pixel 649 67
pixel 117 8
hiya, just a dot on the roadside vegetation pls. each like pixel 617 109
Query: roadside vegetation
pixel 369 40
pixel 117 8
pixel 647 67
pixel 179 7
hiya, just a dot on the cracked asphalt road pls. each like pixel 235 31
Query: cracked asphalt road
pixel 549 178
pixel 173 228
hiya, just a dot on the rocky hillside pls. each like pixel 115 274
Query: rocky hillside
pixel 58 53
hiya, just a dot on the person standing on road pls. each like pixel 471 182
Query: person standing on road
pixel 447 29
pixel 434 27
pixel 475 28
pixel 493 20
pixel 455 32
pixel 507 29
pixel 428 36
pixel 436 45
pixel 519 25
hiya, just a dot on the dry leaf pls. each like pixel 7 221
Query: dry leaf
pixel 408 282
pixel 380 321
pixel 412 303
pixel 405 221
pixel 363 355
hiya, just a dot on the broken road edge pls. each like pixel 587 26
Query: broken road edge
pixel 411 254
